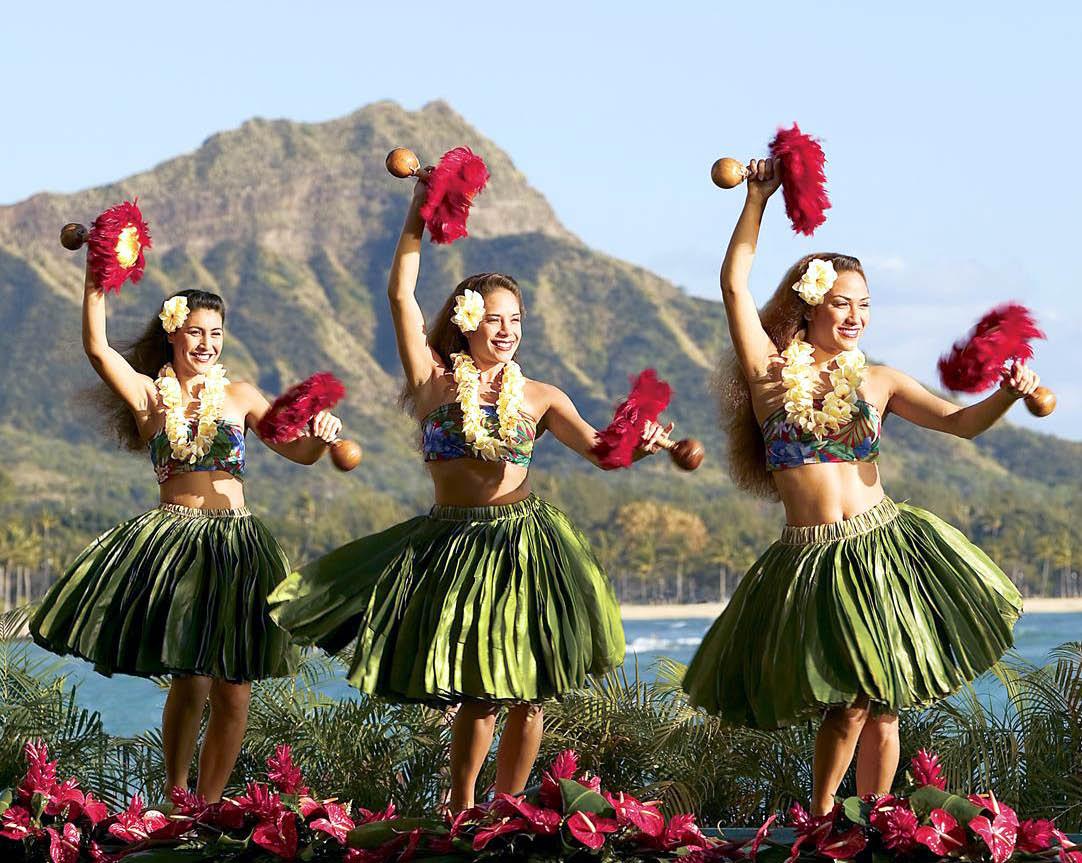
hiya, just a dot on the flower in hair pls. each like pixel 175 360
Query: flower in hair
pixel 818 279
pixel 469 310
pixel 174 313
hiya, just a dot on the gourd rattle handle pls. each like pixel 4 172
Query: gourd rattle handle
pixel 687 454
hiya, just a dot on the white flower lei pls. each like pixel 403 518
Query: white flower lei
pixel 468 379
pixel 211 408
pixel 801 382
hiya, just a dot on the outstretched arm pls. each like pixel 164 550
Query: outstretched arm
pixel 569 428
pixel 750 341
pixel 304 450
pixel 418 360
pixel 137 390
pixel 911 401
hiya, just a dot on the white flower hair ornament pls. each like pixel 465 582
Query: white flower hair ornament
pixel 174 313
pixel 818 279
pixel 469 311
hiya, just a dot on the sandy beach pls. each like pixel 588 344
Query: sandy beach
pixel 1033 605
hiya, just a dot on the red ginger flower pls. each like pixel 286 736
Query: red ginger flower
pixel 897 825
pixel 1035 834
pixel 682 832
pixel 943 836
pixel 40 773
pixel 564 766
pixel 927 770
pixel 282 772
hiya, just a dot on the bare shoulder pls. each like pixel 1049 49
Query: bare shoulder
pixel 244 393
pixel 543 395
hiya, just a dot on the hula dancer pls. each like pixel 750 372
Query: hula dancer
pixel 181 589
pixel 493 598
pixel 864 607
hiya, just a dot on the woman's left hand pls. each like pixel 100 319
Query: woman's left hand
pixel 652 435
pixel 326 426
pixel 1019 380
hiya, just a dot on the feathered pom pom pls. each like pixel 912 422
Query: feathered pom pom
pixel 291 412
pixel 648 398
pixel 803 182
pixel 975 363
pixel 115 246
pixel 457 179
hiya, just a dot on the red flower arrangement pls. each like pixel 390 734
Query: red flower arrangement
pixel 115 246
pixel 616 443
pixel 457 179
pixel 291 412
pixel 1003 334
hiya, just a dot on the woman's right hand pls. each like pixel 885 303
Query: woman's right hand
pixel 764 177
pixel 420 188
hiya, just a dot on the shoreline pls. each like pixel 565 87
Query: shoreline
pixel 673 611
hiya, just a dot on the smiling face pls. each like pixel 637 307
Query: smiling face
pixel 498 336
pixel 197 345
pixel 836 324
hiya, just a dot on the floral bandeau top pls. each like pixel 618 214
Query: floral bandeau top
pixel 788 445
pixel 226 454
pixel 442 437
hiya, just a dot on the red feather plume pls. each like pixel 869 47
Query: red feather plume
pixel 616 444
pixel 102 253
pixel 803 182
pixel 291 412
pixel 454 183
pixel 975 363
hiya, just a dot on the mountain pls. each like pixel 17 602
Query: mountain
pixel 294 224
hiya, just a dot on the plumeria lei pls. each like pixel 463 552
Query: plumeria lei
pixel 508 406
pixel 211 408
pixel 819 277
pixel 801 380
pixel 469 310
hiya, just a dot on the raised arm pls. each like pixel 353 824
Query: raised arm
pixel 912 402
pixel 137 390
pixel 752 345
pixel 562 418
pixel 418 360
pixel 304 450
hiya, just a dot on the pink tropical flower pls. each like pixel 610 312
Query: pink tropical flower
pixel 16 825
pixel 40 773
pixel 541 821
pixel 564 766
pixel 760 836
pixel 260 801
pixel 897 825
pixel 1068 856
pixel 188 803
pixel 64 846
pixel 997 807
pixel 943 836
pixel 644 816
pixel 282 772
pixel 843 846
pixel 336 822
pixel 366 817
pixel 278 836
pixel 136 824
pixel 1035 835
pixel 501 827
pixel 683 832
pixel 927 770
pixel 1000 832
pixel 590 830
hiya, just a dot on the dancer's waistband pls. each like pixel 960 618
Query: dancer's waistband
pixel 881 514
pixel 487 513
pixel 196 512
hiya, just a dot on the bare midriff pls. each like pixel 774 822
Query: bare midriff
pixel 474 482
pixel 205 489
pixel 828 492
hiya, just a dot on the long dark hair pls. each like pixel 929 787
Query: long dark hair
pixel 444 337
pixel 782 318
pixel 147 354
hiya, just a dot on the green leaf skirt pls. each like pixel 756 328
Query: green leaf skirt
pixel 893 605
pixel 173 591
pixel 496 603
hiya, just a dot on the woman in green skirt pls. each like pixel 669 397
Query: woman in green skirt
pixel 493 598
pixel 863 607
pixel 182 589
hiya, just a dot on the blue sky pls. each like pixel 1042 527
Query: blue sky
pixel 950 133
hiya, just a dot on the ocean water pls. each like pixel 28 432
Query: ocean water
pixel 130 705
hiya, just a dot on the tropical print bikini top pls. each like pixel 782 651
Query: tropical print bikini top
pixel 442 438
pixel 226 454
pixel 787 445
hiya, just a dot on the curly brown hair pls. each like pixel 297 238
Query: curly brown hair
pixel 782 317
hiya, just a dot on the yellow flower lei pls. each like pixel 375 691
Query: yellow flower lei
pixel 801 382
pixel 508 405
pixel 211 408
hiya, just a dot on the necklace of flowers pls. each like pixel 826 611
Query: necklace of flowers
pixel 801 380
pixel 211 400
pixel 508 405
